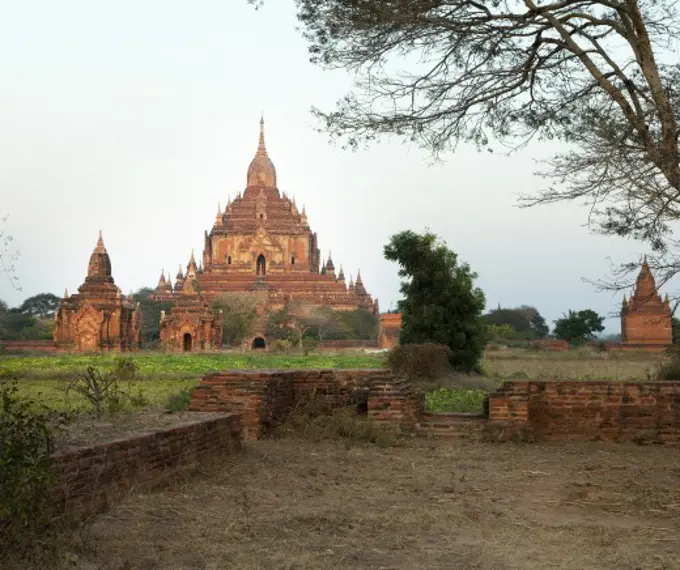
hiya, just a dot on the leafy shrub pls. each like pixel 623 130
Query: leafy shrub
pixel 103 390
pixel 427 361
pixel 455 400
pixel 179 401
pixel 26 476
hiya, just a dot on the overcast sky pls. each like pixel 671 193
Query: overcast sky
pixel 138 117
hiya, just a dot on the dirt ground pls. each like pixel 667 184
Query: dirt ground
pixel 428 504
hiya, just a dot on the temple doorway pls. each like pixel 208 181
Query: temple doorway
pixel 259 343
pixel 261 265
pixel 186 342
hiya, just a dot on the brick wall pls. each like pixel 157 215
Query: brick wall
pixel 93 477
pixel 265 398
pixel 347 345
pixel 550 344
pixel 28 345
pixel 607 411
pixel 632 347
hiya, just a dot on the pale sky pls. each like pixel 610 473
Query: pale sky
pixel 138 117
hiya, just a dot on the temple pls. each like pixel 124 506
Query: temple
pixel 98 317
pixel 645 317
pixel 261 243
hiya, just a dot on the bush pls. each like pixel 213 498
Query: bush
pixel 420 362
pixel 103 390
pixel 670 370
pixel 27 480
pixel 179 401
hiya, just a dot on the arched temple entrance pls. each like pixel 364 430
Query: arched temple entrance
pixel 259 343
pixel 186 342
pixel 261 265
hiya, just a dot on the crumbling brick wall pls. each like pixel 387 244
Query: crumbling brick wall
pixel 95 476
pixel 586 411
pixel 265 398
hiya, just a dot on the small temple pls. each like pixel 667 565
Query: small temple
pixel 645 317
pixel 98 317
pixel 262 243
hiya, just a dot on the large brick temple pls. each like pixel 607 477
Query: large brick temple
pixel 262 243
pixel 645 317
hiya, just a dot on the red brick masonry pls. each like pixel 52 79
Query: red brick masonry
pixel 93 477
pixel 265 398
pixel 586 411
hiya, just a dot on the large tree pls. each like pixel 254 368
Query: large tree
pixel 42 305
pixel 151 315
pixel 599 75
pixel 239 314
pixel 441 304
pixel 525 320
pixel 578 327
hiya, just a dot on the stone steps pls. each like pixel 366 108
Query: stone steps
pixel 451 424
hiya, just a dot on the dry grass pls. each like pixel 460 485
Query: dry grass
pixel 581 364
pixel 294 504
pixel 85 429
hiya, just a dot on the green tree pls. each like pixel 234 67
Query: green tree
pixel 441 304
pixel 578 327
pixel 290 323
pixel 42 305
pixel 525 320
pixel 151 315
pixel 675 324
pixel 239 316
pixel 360 324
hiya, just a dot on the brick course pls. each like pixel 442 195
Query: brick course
pixel 95 476
pixel 265 398
pixel 586 411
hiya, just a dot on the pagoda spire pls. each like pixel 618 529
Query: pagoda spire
pixel 100 244
pixel 261 148
pixel 65 293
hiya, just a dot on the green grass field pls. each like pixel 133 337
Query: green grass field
pixel 161 376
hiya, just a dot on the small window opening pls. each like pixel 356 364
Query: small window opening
pixel 228 259
pixel 292 260
pixel 262 216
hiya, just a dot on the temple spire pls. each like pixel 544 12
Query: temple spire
pixel 65 293
pixel 260 146
pixel 100 244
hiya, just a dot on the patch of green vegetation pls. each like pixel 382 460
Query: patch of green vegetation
pixel 180 365
pixel 52 393
pixel 157 377
pixel 455 400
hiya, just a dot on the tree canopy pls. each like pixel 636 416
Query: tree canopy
pixel 42 305
pixel 578 327
pixel 526 321
pixel 239 314
pixel 441 304
pixel 599 75
pixel 151 315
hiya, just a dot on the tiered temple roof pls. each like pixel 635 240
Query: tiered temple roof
pixel 261 241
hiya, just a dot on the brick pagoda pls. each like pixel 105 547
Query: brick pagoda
pixel 191 324
pixel 262 243
pixel 98 317
pixel 646 318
